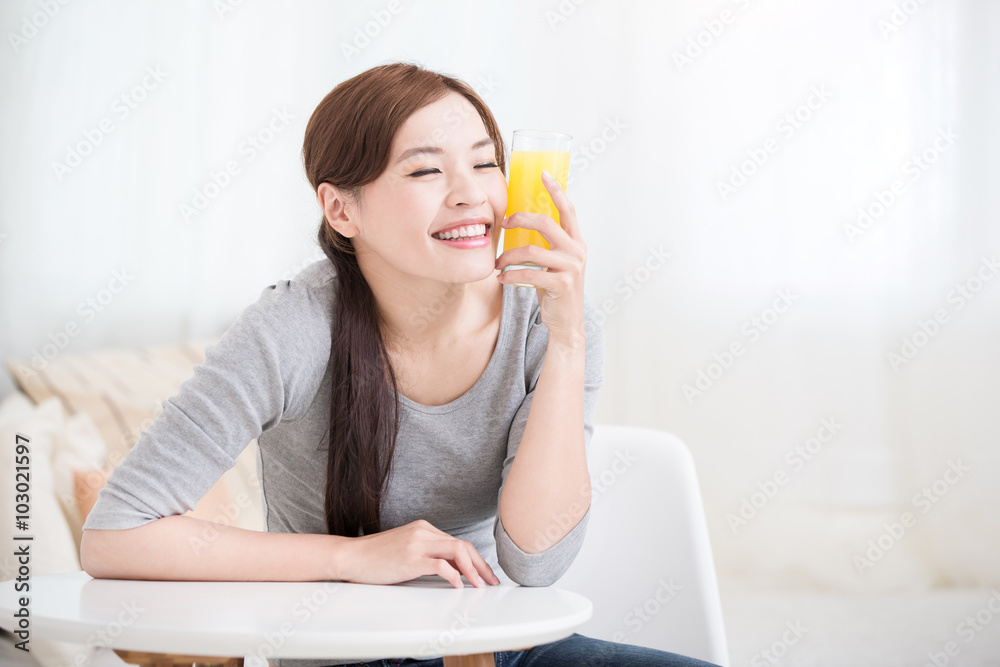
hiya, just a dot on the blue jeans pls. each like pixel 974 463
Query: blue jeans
pixel 573 651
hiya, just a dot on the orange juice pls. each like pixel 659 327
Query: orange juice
pixel 526 192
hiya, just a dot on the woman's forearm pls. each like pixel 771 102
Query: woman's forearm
pixel 547 490
pixel 186 548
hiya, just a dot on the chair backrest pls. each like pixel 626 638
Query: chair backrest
pixel 646 562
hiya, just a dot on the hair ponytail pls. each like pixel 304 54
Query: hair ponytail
pixel 364 414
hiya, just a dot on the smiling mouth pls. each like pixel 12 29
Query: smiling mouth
pixel 464 233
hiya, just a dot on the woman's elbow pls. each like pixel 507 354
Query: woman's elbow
pixel 93 558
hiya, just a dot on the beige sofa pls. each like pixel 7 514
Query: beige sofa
pixel 83 413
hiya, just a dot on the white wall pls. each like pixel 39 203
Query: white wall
pixel 662 134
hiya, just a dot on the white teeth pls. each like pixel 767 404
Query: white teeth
pixel 467 231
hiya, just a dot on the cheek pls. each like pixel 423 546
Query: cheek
pixel 498 196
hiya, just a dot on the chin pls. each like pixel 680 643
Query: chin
pixel 470 274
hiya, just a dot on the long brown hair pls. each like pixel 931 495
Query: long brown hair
pixel 347 144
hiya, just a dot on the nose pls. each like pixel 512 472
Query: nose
pixel 466 189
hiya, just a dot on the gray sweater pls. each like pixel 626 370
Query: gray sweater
pixel 268 378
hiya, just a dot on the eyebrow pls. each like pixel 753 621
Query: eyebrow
pixel 438 150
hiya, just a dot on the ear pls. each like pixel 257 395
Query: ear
pixel 337 208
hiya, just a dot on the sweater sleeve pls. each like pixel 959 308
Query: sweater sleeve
pixel 255 375
pixel 546 567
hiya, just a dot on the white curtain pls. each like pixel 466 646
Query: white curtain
pixel 723 151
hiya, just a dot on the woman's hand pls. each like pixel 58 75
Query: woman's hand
pixel 410 551
pixel 561 302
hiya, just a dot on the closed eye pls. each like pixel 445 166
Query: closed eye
pixel 431 170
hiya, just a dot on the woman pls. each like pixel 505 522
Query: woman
pixel 390 387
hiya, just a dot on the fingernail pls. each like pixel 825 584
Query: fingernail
pixel 545 172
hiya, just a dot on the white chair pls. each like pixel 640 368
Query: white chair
pixel 646 562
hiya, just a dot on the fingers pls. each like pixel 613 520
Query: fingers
pixel 471 564
pixel 485 571
pixel 464 560
pixel 532 254
pixel 465 566
pixel 444 569
pixel 556 284
pixel 521 277
pixel 482 567
pixel 551 231
pixel 567 211
pixel 455 557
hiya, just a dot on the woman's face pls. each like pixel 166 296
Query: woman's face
pixel 442 171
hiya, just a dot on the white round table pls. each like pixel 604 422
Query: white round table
pixel 422 618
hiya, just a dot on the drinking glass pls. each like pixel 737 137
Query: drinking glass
pixel 531 151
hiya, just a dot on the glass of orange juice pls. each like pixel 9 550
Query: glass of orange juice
pixel 531 151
